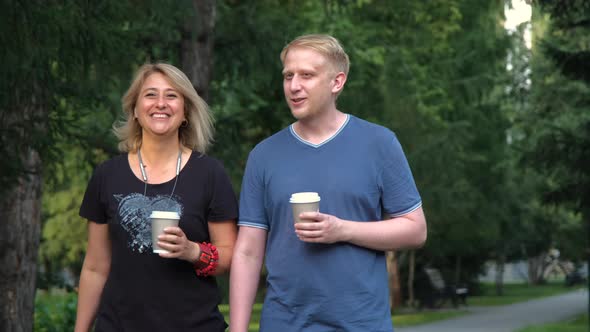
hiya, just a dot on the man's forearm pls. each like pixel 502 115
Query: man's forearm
pixel 403 232
pixel 244 278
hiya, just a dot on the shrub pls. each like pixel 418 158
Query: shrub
pixel 55 311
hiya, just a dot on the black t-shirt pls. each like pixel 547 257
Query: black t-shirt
pixel 145 292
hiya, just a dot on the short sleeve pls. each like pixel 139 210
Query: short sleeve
pixel 252 212
pixel 400 195
pixel 92 207
pixel 223 204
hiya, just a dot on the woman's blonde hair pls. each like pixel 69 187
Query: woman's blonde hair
pixel 196 133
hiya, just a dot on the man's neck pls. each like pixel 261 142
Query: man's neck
pixel 320 128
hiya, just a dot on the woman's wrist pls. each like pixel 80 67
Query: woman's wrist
pixel 207 261
pixel 195 252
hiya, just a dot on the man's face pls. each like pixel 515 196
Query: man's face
pixel 308 83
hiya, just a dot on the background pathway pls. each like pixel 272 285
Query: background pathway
pixel 509 318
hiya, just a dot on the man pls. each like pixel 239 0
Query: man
pixel 329 273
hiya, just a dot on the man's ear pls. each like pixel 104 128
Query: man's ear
pixel 339 81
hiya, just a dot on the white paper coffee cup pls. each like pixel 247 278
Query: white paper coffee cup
pixel 161 220
pixel 304 202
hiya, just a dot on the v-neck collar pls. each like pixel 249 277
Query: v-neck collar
pixel 299 138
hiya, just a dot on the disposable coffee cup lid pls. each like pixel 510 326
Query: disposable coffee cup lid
pixel 304 197
pixel 165 215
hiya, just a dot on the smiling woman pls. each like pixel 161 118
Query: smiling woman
pixel 160 108
pixel 196 133
pixel 125 283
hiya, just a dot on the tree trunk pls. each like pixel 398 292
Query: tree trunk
pixel 20 225
pixel 586 216
pixel 458 263
pixel 395 298
pixel 197 46
pixel 536 266
pixel 411 273
pixel 500 265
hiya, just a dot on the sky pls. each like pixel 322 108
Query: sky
pixel 521 12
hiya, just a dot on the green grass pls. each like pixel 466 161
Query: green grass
pixel 577 324
pixel 415 318
pixel 55 310
pixel 514 293
pixel 254 319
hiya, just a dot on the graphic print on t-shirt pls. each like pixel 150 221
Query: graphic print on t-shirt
pixel 134 215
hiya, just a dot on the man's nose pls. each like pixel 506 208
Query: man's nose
pixel 295 83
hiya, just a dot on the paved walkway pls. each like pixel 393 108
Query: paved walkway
pixel 511 317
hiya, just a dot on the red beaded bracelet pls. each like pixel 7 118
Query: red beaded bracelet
pixel 208 256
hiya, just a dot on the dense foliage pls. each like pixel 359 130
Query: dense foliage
pixel 558 120
pixel 443 74
pixel 55 311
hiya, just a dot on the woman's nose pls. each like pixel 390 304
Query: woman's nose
pixel 161 102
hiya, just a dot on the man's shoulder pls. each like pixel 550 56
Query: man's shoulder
pixel 273 142
pixel 370 129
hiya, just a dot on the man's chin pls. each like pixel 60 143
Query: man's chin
pixel 298 114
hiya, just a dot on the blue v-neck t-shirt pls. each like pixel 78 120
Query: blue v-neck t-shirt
pixel 360 173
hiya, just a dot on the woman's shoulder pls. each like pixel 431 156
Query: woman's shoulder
pixel 205 160
pixel 114 163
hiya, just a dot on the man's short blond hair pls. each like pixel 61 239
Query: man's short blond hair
pixel 326 45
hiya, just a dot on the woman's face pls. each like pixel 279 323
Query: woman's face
pixel 160 107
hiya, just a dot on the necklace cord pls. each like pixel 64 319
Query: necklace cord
pixel 144 174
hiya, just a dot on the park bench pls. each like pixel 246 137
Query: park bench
pixel 435 291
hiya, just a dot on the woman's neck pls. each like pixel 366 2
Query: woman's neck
pixel 159 152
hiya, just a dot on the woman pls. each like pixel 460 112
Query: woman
pixel 124 286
